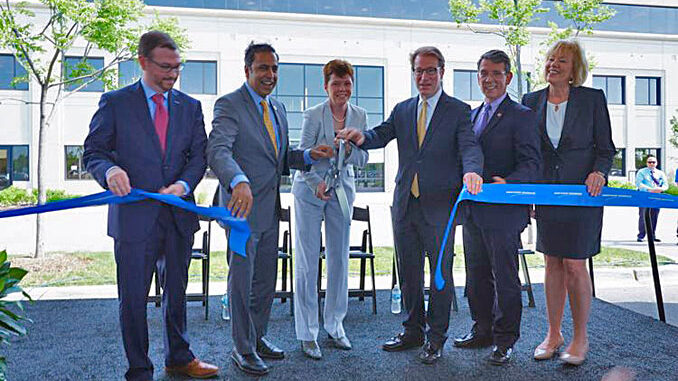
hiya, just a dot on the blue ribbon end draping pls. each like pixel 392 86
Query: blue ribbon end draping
pixel 240 230
pixel 552 194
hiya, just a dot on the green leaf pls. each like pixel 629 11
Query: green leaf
pixel 12 325
pixel 3 256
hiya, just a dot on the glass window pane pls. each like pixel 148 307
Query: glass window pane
pixel 294 120
pixel 20 167
pixel 374 119
pixel 290 79
pixel 372 105
pixel 618 163
pixel 292 103
pixel 75 169
pixel 462 85
pixel 4 168
pixel 210 77
pixel 654 91
pixel 192 78
pixel 476 93
pixel 642 91
pixel 128 72
pixel 643 153
pixel 77 66
pixel 413 87
pixel 6 71
pixel 314 80
pixel 615 90
pixel 369 82
pixel 313 101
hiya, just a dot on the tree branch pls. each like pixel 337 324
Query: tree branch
pixel 19 47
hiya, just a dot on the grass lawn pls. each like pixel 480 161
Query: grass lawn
pixel 99 268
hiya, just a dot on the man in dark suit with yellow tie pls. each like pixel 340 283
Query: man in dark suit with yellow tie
pixel 507 134
pixel 436 151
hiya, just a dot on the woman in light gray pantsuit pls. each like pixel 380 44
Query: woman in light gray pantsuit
pixel 312 203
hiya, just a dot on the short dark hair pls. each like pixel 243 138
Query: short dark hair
pixel 428 51
pixel 155 39
pixel 253 48
pixel 497 56
pixel 337 67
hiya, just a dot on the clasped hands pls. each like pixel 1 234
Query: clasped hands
pixel 240 204
pixel 119 185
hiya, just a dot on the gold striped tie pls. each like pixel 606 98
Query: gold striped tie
pixel 269 126
pixel 421 132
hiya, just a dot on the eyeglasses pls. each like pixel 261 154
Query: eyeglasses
pixel 652 162
pixel 167 68
pixel 493 74
pixel 428 71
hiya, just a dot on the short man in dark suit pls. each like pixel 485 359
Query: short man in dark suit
pixel 248 151
pixel 152 137
pixel 436 151
pixel 508 135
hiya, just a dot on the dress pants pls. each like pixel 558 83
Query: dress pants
pixel 493 286
pixel 169 251
pixel 415 239
pixel 251 288
pixel 654 214
pixel 308 216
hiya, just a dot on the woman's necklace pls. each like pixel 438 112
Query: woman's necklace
pixel 338 120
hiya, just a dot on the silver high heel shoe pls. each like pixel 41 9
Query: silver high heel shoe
pixel 541 353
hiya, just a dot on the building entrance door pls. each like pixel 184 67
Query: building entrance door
pixel 4 168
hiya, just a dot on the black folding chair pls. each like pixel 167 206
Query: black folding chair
pixel 285 255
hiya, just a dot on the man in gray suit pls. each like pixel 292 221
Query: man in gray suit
pixel 248 150
pixel 436 150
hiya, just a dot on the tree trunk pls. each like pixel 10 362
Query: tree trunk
pixel 519 74
pixel 42 191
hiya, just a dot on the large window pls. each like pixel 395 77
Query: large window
pixel 10 68
pixel 300 86
pixel 643 153
pixel 466 86
pixel 648 91
pixel 199 77
pixel 77 66
pixel 614 88
pixel 128 72
pixel 619 163
pixel 75 169
pixel 14 165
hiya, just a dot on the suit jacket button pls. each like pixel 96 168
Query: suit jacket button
pixel 165 167
pixel 557 166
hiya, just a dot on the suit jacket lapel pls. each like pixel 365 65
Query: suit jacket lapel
pixel 496 117
pixel 570 116
pixel 258 121
pixel 144 115
pixel 327 125
pixel 175 115
pixel 437 117
pixel 541 112
pixel 412 111
pixel 282 127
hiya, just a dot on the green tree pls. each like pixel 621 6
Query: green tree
pixel 41 34
pixel 514 16
pixel 11 311
pixel 674 132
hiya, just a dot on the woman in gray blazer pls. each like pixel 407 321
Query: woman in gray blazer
pixel 577 148
pixel 313 203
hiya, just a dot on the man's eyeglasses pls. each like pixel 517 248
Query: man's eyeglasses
pixel 652 162
pixel 167 68
pixel 493 74
pixel 428 71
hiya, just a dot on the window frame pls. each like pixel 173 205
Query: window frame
pixel 89 88
pixel 22 86
pixel 658 100
pixel 10 160
pixel 81 175
pixel 203 83
pixel 606 87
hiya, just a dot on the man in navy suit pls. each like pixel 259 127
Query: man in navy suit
pixel 507 133
pixel 151 137
pixel 436 150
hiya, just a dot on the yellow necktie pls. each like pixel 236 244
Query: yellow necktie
pixel 269 126
pixel 421 133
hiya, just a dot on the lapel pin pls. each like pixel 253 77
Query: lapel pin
pixel 499 115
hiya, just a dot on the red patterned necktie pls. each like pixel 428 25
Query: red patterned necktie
pixel 160 119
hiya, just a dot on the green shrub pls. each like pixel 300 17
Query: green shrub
pixel 673 190
pixel 14 196
pixel 620 184
pixel 11 319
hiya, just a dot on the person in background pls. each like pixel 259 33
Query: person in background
pixel 650 179
pixel 313 203
pixel 577 148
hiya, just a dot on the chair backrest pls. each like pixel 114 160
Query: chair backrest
pixel 363 215
pixel 286 217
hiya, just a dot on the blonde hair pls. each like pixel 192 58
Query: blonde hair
pixel 580 67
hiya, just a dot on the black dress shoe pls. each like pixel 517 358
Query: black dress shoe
pixel 430 353
pixel 500 355
pixel 268 350
pixel 473 340
pixel 250 363
pixel 402 342
pixel 657 240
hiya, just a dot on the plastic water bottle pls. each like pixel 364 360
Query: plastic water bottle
pixel 225 311
pixel 395 299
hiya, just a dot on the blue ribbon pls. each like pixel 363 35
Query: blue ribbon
pixel 543 194
pixel 237 239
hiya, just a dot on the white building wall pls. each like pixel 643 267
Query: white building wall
pixel 222 35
